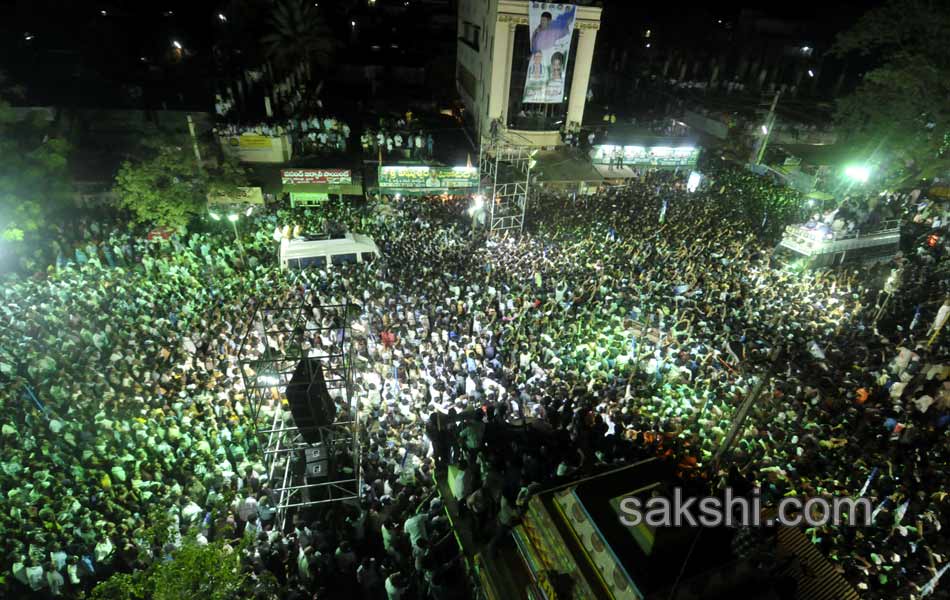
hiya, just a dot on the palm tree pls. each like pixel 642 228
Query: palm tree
pixel 299 34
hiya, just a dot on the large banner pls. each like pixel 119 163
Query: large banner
pixel 551 26
pixel 257 142
pixel 303 176
pixel 428 178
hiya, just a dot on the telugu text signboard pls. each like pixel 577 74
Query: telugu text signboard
pixel 304 176
pixel 428 178
pixel 256 142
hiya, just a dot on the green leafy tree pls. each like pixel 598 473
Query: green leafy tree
pixel 298 34
pixel 195 572
pixel 169 188
pixel 34 175
pixel 900 109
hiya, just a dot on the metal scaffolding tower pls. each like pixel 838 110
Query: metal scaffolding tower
pixel 504 168
pixel 278 340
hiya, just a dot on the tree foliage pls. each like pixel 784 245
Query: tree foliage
pixel 34 175
pixel 298 34
pixel 169 187
pixel 901 109
pixel 195 572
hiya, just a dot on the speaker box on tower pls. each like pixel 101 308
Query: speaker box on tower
pixel 310 402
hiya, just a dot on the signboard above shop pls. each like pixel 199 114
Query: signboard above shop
pixel 428 178
pixel 305 176
pixel 645 156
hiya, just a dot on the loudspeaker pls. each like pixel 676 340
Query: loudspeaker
pixel 310 402
pixel 318 452
pixel 318 469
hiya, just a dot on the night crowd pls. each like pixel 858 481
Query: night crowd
pixel 309 135
pixel 398 137
pixel 632 321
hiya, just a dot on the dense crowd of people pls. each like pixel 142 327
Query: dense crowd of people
pixel 401 137
pixel 634 320
pixel 309 135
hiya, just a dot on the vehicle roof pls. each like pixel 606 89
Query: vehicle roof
pixel 348 242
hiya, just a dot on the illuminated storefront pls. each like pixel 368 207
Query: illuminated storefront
pixel 645 156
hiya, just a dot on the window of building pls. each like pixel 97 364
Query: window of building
pixel 471 35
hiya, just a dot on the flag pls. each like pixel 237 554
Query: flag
pixel 867 483
pixel 915 320
pixel 932 584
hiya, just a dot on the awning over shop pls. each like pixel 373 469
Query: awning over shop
pixel 562 166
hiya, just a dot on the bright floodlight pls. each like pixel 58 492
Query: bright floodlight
pixel 398 195
pixel 233 218
pixel 249 210
pixel 222 18
pixel 765 130
pixel 692 184
pixel 858 173
pixel 215 216
pixel 479 201
pixel 176 44
pixel 811 73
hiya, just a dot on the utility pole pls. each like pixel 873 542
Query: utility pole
pixel 194 141
pixel 769 125
pixel 743 411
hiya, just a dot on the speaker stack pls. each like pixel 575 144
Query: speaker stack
pixel 310 402
pixel 313 410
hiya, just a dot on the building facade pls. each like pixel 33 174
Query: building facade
pixel 494 51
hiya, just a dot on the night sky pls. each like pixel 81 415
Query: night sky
pixel 78 55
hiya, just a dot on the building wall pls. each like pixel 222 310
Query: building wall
pixel 486 31
pixel 476 31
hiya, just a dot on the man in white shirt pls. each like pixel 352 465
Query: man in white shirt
pixel 34 576
pixel 247 510
pixel 54 580
pixel 415 528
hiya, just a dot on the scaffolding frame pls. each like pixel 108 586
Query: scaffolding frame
pixel 504 169
pixel 278 338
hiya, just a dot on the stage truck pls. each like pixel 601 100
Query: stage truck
pixel 817 245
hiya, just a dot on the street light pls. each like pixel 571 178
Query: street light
pixel 215 216
pixel 811 73
pixel 859 173
pixel 233 217
pixel 176 44
pixel 222 18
